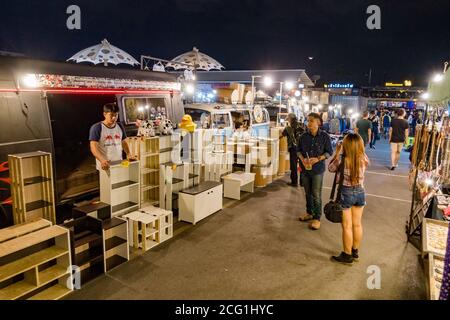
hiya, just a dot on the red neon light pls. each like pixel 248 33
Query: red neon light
pixel 90 91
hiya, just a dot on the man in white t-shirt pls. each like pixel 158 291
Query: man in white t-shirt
pixel 107 138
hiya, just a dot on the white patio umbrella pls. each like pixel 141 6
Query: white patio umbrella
pixel 196 59
pixel 103 53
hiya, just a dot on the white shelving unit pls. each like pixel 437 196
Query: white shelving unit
pixel 35 262
pixel 120 187
pixel 115 242
pixel 146 149
pixel 32 186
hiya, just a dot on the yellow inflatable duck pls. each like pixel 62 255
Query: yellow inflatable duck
pixel 187 124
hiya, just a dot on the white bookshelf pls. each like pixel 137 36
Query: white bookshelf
pixel 120 187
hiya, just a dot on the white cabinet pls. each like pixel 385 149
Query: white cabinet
pixel 199 202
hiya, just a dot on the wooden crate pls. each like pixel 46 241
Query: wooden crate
pixel 32 186
pixel 35 265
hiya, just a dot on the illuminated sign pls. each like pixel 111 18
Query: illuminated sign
pixel 65 81
pixel 406 83
pixel 339 86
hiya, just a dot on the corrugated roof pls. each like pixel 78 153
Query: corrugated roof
pixel 245 76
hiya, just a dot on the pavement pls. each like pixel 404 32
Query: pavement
pixel 257 249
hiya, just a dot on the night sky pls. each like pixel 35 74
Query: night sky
pixel 247 34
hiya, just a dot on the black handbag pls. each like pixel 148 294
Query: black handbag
pixel 333 209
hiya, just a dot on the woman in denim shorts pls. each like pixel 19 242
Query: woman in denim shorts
pixel 353 196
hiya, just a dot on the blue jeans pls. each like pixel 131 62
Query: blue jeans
pixel 313 191
pixel 353 197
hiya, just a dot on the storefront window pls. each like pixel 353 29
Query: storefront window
pixel 143 108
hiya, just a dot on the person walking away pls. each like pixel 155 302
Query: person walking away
pixel 364 128
pixel 375 128
pixel 313 149
pixel 398 134
pixel 353 197
pixel 293 131
pixel 107 138
pixel 386 124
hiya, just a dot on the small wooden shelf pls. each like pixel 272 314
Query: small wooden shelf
pixel 148 187
pixel 88 238
pixel 114 261
pixel 35 180
pixel 124 184
pixel 88 256
pixel 149 154
pixel 112 223
pixel 165 150
pixel 50 274
pixel 32 186
pixel 53 293
pixel 31 206
pixel 148 170
pixel 176 180
pixel 150 203
pixel 114 242
pixel 149 232
pixel 29 262
pixel 34 260
pixel 123 206
pixel 23 229
pixel 17 290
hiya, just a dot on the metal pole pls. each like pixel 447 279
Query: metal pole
pixel 253 90
pixel 281 92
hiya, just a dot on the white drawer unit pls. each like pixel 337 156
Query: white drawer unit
pixel 200 201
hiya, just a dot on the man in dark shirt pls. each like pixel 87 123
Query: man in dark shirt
pixel 364 127
pixel 293 131
pixel 398 133
pixel 313 149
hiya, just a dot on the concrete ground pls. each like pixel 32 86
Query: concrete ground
pixel 257 249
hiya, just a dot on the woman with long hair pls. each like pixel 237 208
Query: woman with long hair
pixel 353 198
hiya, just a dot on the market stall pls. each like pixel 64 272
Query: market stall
pixel 430 183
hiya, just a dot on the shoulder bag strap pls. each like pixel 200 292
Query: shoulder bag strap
pixel 341 178
pixel 335 182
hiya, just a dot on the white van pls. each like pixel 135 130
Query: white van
pixel 226 117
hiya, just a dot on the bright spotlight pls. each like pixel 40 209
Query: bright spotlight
pixel 425 96
pixel 189 89
pixel 438 77
pixel 268 81
pixel 289 85
pixel 30 81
